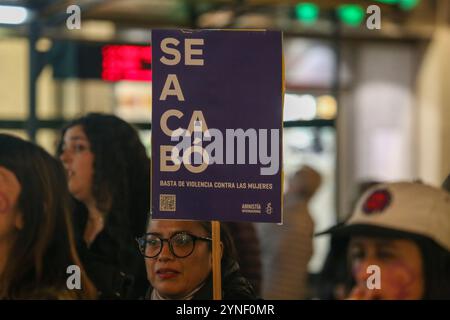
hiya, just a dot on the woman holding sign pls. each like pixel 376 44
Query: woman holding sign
pixel 109 176
pixel 179 262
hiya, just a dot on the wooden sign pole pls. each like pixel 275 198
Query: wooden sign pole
pixel 217 273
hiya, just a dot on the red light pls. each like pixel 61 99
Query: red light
pixel 126 62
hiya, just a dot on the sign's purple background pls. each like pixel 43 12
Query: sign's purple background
pixel 239 86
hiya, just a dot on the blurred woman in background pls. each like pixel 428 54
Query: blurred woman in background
pixel 108 174
pixel 36 240
pixel 399 243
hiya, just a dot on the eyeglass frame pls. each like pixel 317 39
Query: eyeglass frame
pixel 168 240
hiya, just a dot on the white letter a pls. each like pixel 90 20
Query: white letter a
pixel 374 21
pixel 74 280
pixel 73 21
pixel 374 280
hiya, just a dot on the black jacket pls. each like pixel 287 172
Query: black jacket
pixel 234 286
pixel 116 268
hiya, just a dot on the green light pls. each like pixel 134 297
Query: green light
pixel 307 12
pixel 351 14
pixel 408 4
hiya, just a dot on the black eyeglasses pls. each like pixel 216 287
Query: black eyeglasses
pixel 181 244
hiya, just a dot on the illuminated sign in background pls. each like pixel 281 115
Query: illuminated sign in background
pixel 105 61
pixel 126 62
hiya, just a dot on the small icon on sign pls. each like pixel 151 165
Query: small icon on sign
pixel 269 208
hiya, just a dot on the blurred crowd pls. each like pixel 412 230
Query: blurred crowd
pixel 87 207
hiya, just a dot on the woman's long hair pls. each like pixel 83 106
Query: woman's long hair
pixel 436 269
pixel 121 181
pixel 234 285
pixel 44 248
pixel 229 256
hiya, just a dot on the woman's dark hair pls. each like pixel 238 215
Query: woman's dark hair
pixel 436 269
pixel 333 279
pixel 44 248
pixel 234 285
pixel 446 183
pixel 229 256
pixel 121 182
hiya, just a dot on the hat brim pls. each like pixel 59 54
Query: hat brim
pixel 342 230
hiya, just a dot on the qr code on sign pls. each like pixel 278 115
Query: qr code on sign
pixel 167 202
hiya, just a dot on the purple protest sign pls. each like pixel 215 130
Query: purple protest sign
pixel 217 125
